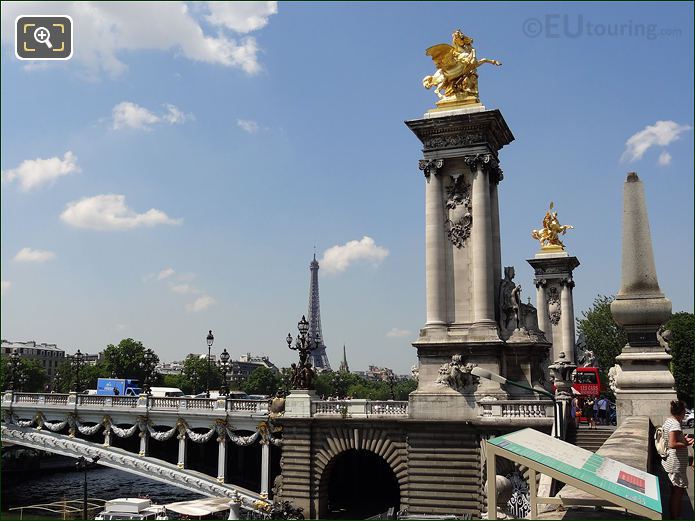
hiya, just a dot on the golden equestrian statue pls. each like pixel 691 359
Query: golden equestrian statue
pixel 549 234
pixel 456 78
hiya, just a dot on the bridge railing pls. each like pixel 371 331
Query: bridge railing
pixel 516 408
pixel 359 408
pixel 149 402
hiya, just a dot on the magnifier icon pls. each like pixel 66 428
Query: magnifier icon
pixel 43 35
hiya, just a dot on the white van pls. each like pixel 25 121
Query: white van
pixel 166 392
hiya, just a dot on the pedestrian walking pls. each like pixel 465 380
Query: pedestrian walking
pixel 676 461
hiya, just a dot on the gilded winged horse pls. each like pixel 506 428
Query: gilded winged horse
pixel 456 76
pixel 548 236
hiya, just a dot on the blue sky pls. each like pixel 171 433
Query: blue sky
pixel 197 154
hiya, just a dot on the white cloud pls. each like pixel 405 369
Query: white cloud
pixel 661 133
pixel 248 125
pixel 130 115
pixel 174 116
pixel 165 273
pixel 107 31
pixel 5 285
pixel 201 303
pixel 242 17
pixel 338 258
pixel 183 289
pixel 109 212
pixel 664 158
pixel 121 327
pixel 398 333
pixel 29 255
pixel 33 173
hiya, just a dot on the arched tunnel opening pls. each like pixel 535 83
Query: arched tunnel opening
pixel 358 484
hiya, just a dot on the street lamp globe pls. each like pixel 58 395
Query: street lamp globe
pixel 210 338
pixel 303 326
pixel 224 356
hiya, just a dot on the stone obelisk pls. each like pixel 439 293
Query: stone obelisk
pixel 644 386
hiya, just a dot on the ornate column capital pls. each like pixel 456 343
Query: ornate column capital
pixel 567 282
pixel 540 283
pixel 486 162
pixel 496 175
pixel 430 165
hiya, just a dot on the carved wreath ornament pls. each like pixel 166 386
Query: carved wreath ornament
pixel 459 205
pixel 554 311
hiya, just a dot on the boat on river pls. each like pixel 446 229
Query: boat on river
pixel 132 508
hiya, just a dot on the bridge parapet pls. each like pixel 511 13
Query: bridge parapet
pixel 527 409
pixel 86 401
pixel 359 408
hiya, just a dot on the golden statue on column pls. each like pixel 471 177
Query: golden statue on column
pixel 456 77
pixel 549 235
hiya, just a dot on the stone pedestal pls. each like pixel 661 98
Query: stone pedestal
pixel 644 386
pixel 463 263
pixel 298 403
pixel 554 301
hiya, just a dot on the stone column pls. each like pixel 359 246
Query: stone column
pixel 481 244
pixel 542 308
pixel 221 457
pixel 182 448
pixel 144 443
pixel 434 243
pixel 567 306
pixel 496 234
pixel 107 437
pixel 265 467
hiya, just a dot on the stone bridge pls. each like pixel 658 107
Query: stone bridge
pixel 160 438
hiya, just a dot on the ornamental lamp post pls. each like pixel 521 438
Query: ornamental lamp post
pixel 14 370
pixel 77 360
pixel 210 339
pixel 224 367
pixel 148 366
pixel 82 464
pixel 303 374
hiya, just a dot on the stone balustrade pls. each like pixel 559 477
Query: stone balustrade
pixel 87 401
pixel 359 408
pixel 527 409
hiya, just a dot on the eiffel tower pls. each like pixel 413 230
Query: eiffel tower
pixel 318 356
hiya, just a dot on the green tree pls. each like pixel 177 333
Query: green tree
pixel 261 381
pixel 125 360
pixel 195 371
pixel 682 342
pixel 31 372
pixel 603 336
pixel 89 374
pixel 177 380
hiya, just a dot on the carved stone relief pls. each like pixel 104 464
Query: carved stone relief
pixel 460 219
pixel 554 310
pixel 457 374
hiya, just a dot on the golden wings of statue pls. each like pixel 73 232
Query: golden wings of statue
pixel 549 234
pixel 456 77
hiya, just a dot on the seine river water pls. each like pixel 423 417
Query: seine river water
pixel 102 482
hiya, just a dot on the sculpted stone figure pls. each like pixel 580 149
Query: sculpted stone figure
pixel 456 77
pixel 507 286
pixel 456 374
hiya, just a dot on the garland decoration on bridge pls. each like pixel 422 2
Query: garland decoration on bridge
pixel 161 436
pixel 220 427
pixel 242 440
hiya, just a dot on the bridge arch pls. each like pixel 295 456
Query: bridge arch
pixel 359 471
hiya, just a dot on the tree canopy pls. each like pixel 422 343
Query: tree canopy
pixel 261 381
pixel 682 344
